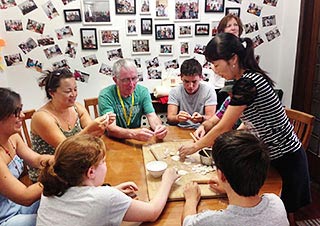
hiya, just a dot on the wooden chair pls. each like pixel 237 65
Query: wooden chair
pixel 94 103
pixel 302 123
pixel 25 126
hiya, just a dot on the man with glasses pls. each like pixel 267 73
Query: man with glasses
pixel 129 101
pixel 192 102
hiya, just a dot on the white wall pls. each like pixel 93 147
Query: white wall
pixel 277 56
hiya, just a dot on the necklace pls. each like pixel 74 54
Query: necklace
pixel 65 120
pixel 8 153
pixel 126 117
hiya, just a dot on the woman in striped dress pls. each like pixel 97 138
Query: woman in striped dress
pixel 255 102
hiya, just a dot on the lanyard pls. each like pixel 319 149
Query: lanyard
pixel 127 118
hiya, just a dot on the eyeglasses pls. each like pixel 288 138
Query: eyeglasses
pixel 128 80
pixel 17 111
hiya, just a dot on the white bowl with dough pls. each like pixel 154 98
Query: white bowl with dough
pixel 156 168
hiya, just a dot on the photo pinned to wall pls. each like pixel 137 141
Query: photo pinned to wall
pixel 95 12
pixel 270 2
pixel 72 15
pixel 27 46
pixel 65 2
pixel 187 10
pixel 236 1
pixel 166 49
pixel 52 51
pixel 162 9
pixel 34 64
pixel 199 49
pixel 171 64
pixel 64 32
pixel 125 7
pixel 214 28
pixel 154 73
pixel 46 40
pixel 13 59
pixel 114 54
pixel 214 6
pixel 254 9
pixel 71 49
pixel 4 4
pixel 13 25
pixel 131 25
pixel 35 26
pixel 88 38
pixel 109 37
pixel 146 26
pixel 105 69
pixel 233 10
pixel 140 76
pixel 257 40
pixel 272 34
pixel 268 21
pixel 50 10
pixel 60 64
pixel 201 29
pixel 164 31
pixel 251 27
pixel 184 49
pixel 81 76
pixel 153 66
pixel 89 60
pixel 137 62
pixel 145 7
pixel 27 6
pixel 140 46
pixel 185 31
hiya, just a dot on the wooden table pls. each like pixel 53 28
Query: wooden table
pixel 125 163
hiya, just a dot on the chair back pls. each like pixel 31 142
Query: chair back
pixel 26 126
pixel 94 103
pixel 302 124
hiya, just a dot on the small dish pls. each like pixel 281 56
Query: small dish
pixel 156 168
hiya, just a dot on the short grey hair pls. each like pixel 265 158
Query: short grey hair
pixel 123 63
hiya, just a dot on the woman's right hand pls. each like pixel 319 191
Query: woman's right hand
pixel 170 175
pixel 200 132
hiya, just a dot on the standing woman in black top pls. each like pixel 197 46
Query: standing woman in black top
pixel 255 102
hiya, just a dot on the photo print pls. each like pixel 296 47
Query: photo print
pixel 65 2
pixel 153 69
pixel 27 6
pixel 4 4
pixel 13 25
pixel 171 64
pixel 140 46
pixel 89 60
pixel 35 26
pixel 185 31
pixel 254 9
pixel 60 64
pixel 13 59
pixel 187 10
pixel 166 49
pixel 50 10
pixel 270 2
pixel 236 1
pixel 199 49
pixel 214 6
pixel 64 32
pixel 233 10
pixel 109 37
pixel 272 34
pixel 268 21
pixel 114 54
pixel 251 27
pixel 146 26
pixel 34 64
pixel 154 63
pixel 131 25
pixel 81 76
pixel 214 28
pixel 52 51
pixel 184 49
pixel 125 7
pixel 201 29
pixel 27 46
pixel 164 31
pixel 71 49
pixel 257 40
pixel 145 7
pixel 161 9
pixel 140 76
pixel 88 38
pixel 44 41
pixel 137 62
pixel 95 12
pixel 72 15
pixel 105 69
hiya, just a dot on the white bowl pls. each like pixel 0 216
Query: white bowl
pixel 156 168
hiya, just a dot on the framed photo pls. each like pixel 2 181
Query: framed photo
pixel 88 38
pixel 140 46
pixel 109 37
pixel 95 12
pixel 125 7
pixel 214 28
pixel 187 10
pixel 166 49
pixel 145 7
pixel 184 49
pixel 233 10
pixel 146 26
pixel 131 27
pixel 214 6
pixel 185 31
pixel 201 29
pixel 164 31
pixel 162 9
pixel 72 15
